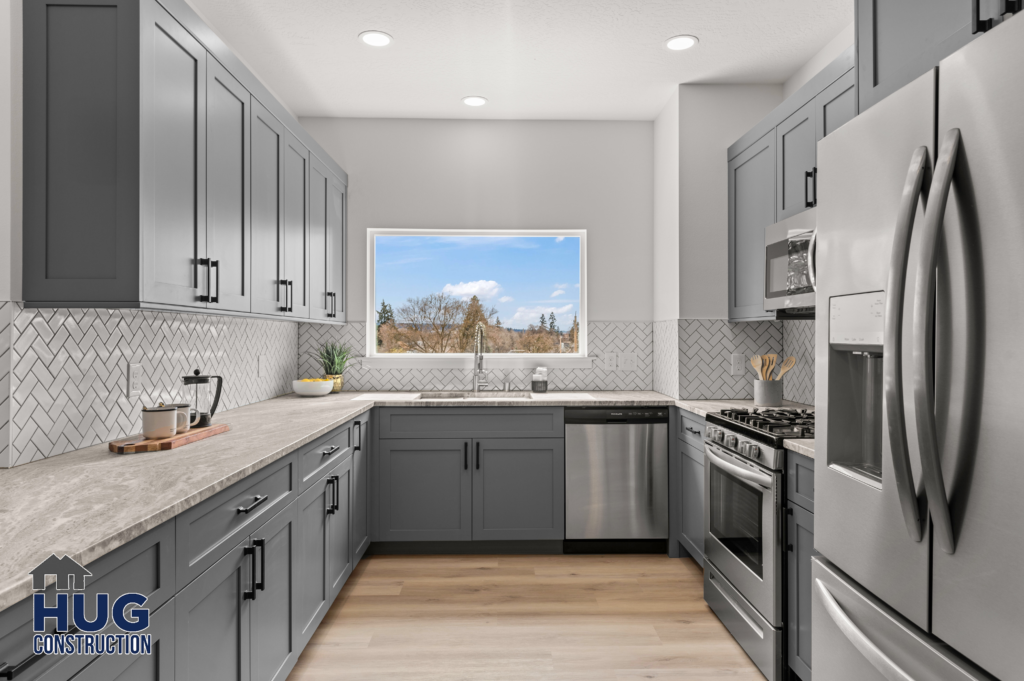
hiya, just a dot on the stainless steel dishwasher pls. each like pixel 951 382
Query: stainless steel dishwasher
pixel 616 473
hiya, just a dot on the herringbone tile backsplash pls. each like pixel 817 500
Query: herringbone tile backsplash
pixel 68 368
pixel 705 349
pixel 5 383
pixel 798 341
pixel 618 337
pixel 665 377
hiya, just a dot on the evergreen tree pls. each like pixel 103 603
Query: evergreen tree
pixel 384 316
pixel 552 326
pixel 543 322
pixel 474 314
pixel 497 321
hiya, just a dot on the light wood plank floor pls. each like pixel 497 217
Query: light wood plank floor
pixel 519 618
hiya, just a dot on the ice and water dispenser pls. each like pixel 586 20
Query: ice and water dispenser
pixel 856 325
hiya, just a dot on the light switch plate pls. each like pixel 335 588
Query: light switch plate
pixel 135 376
pixel 739 361
pixel 627 361
pixel 608 361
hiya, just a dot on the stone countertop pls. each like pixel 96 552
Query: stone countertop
pixel 89 502
pixel 805 447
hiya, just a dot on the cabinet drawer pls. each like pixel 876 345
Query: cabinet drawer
pixel 691 430
pixel 144 565
pixel 800 480
pixel 470 422
pixel 207 531
pixel 324 453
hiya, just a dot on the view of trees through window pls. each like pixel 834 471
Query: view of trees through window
pixel 433 291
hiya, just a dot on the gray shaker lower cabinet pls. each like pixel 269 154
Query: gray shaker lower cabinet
pixel 361 457
pixel 339 529
pixel 425 490
pixel 311 592
pixel 800 546
pixel 159 666
pixel 691 473
pixel 274 645
pixel 519 489
pixel 211 621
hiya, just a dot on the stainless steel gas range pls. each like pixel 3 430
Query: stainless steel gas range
pixel 744 506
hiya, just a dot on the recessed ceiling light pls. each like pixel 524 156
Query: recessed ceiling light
pixel 375 38
pixel 681 42
pixel 474 100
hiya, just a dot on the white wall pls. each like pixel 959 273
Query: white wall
pixel 833 49
pixel 10 150
pixel 711 117
pixel 666 211
pixel 503 175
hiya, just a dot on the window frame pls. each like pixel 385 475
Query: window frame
pixel 463 360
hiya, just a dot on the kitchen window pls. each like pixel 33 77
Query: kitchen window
pixel 430 289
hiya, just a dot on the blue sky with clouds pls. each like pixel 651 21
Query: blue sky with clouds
pixel 520 276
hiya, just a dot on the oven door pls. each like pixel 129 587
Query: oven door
pixel 742 527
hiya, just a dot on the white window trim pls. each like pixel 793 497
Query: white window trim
pixel 465 360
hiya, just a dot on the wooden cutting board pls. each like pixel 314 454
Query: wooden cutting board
pixel 137 443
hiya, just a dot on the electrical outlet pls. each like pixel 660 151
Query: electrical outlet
pixel 739 362
pixel 608 361
pixel 627 361
pixel 135 376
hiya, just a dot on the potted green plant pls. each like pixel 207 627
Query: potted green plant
pixel 334 358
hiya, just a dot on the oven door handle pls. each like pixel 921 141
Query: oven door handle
pixel 761 479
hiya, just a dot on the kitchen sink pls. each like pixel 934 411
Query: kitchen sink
pixel 469 395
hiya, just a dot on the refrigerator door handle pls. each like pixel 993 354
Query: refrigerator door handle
pixel 924 313
pixel 892 353
pixel 872 653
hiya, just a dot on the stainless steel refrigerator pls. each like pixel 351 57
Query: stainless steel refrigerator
pixel 919 470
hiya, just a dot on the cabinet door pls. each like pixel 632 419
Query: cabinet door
pixel 311 592
pixel 336 239
pixel 692 485
pixel 339 529
pixel 425 490
pixel 211 622
pixel 267 189
pixel 836 105
pixel 751 209
pixel 173 168
pixel 800 545
pixel 158 666
pixel 361 488
pixel 519 489
pixel 320 304
pixel 227 189
pixel 296 226
pixel 795 146
pixel 899 41
pixel 275 646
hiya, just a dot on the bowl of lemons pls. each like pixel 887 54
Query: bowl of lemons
pixel 313 387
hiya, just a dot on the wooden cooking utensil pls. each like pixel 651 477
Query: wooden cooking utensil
pixel 755 362
pixel 787 364
pixel 764 367
pixel 772 359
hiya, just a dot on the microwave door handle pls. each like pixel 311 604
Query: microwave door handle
pixel 892 349
pixel 924 317
pixel 864 645
pixel 761 479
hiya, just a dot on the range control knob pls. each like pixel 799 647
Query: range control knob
pixel 717 435
pixel 753 451
pixel 730 441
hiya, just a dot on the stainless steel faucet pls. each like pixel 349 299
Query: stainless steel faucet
pixel 479 375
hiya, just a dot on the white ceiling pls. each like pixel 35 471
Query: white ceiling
pixel 533 59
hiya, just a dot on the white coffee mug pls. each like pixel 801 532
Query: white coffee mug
pixel 184 411
pixel 159 423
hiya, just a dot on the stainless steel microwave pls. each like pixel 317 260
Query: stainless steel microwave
pixel 789 262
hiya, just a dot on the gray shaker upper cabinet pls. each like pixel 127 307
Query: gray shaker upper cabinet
pixel 147 165
pixel 228 241
pixel 899 41
pixel 326 242
pixel 795 144
pixel 751 209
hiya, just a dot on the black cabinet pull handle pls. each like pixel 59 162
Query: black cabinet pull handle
pixel 284 305
pixel 335 493
pixel 465 456
pixel 478 456
pixel 260 498
pixel 334 305
pixel 789 547
pixel 205 297
pixel 692 430
pixel 330 450
pixel 979 25
pixel 250 595
pixel 330 499
pixel 811 175
pixel 291 298
pixel 261 544
pixel 359 440
pixel 215 298
pixel 9 672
